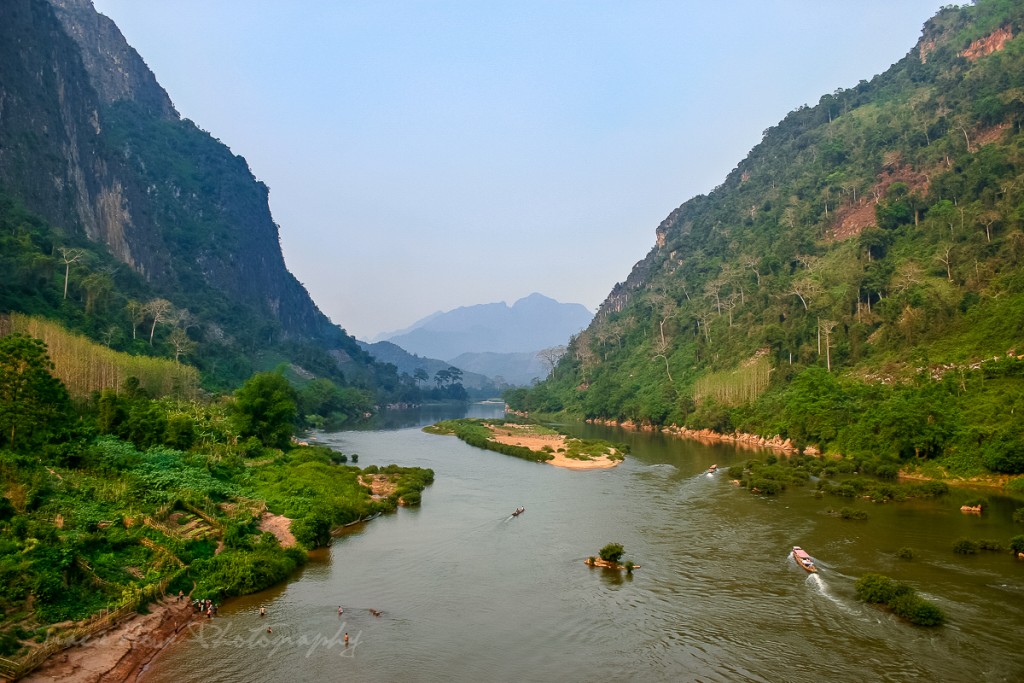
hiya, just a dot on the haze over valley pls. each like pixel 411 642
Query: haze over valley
pixel 705 358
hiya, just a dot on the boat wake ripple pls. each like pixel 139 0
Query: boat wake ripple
pixel 819 584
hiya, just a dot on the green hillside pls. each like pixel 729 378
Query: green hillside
pixel 855 282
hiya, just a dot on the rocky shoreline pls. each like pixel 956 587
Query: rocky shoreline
pixel 753 441
pixel 122 653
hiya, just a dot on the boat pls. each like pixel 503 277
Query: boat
pixel 518 511
pixel 803 559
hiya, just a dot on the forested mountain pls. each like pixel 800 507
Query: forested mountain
pixel 123 220
pixel 855 282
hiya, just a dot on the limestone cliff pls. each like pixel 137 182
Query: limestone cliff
pixel 92 143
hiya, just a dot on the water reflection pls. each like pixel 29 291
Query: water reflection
pixel 428 415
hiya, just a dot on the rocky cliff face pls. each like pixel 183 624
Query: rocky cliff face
pixel 116 71
pixel 90 141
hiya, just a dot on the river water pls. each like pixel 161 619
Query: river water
pixel 468 593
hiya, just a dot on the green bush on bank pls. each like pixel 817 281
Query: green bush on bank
pixel 234 572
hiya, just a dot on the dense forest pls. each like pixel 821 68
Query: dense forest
pixel 855 283
pixel 112 499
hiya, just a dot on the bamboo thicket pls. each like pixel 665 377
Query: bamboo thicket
pixel 85 366
pixel 734 387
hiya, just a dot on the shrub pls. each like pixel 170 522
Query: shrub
pixel 989 544
pixel 917 610
pixel 905 553
pixel 1018 515
pixel 768 487
pixel 875 589
pixel 1017 544
pixel 411 498
pixel 932 488
pixel 238 573
pixel 850 513
pixel 887 472
pixel 900 598
pixel 611 552
pixel 965 546
pixel 9 644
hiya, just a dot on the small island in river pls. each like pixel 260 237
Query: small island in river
pixel 533 442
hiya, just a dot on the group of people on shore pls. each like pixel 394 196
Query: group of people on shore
pixel 207 607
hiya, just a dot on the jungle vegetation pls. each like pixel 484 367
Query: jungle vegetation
pixel 855 283
pixel 108 496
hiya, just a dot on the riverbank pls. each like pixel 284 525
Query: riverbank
pixel 778 444
pixel 742 439
pixel 121 653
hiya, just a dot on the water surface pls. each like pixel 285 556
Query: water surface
pixel 468 593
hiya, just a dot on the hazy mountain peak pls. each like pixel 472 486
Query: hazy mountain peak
pixel 530 324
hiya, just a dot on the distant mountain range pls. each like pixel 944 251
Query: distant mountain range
pixel 477 384
pixel 495 339
pixel 534 322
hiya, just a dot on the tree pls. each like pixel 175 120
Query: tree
pixel 137 314
pixel 944 257
pixel 420 375
pixel 265 407
pixel 160 310
pixel 69 256
pixel 442 378
pixel 179 339
pixel 34 405
pixel 987 218
pixel 551 356
pixel 826 327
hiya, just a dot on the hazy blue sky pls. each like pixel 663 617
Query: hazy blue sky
pixel 425 155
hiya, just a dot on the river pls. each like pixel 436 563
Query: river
pixel 468 593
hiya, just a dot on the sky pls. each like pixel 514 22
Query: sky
pixel 428 154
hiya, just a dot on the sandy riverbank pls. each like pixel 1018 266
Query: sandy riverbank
pixel 517 435
pixel 119 654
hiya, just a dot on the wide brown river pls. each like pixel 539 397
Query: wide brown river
pixel 468 593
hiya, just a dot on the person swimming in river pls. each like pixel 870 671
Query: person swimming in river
pixel 375 612
pixel 263 611
pixel 340 610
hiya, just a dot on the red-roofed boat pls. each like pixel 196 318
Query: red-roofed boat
pixel 803 559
